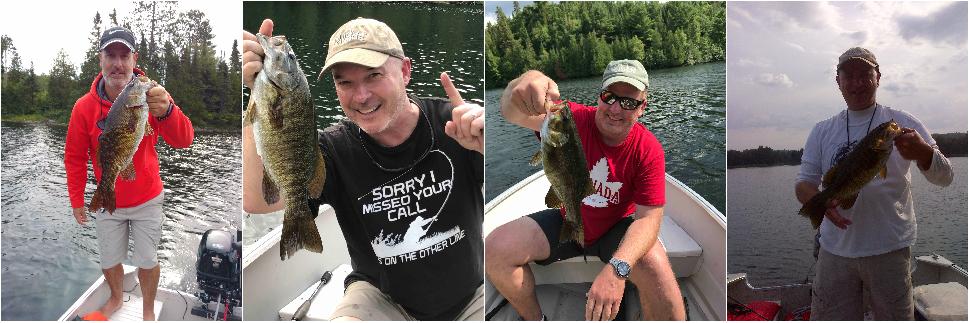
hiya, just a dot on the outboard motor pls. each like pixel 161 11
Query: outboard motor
pixel 217 271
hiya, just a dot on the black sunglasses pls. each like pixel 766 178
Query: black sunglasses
pixel 625 102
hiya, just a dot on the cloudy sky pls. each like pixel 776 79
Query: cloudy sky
pixel 40 28
pixel 781 59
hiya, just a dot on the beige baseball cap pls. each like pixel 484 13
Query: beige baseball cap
pixel 362 41
pixel 858 53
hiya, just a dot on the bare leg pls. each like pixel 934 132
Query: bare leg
pixel 115 277
pixel 508 251
pixel 148 280
pixel 660 297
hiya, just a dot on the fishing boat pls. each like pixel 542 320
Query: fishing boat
pixel 692 232
pixel 217 297
pixel 277 289
pixel 170 304
pixel 307 286
pixel 939 292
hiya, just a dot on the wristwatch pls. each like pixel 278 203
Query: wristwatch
pixel 621 267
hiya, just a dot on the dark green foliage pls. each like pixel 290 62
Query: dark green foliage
pixel 763 156
pixel 174 48
pixel 952 144
pixel 577 39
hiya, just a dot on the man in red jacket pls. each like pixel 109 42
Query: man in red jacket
pixel 139 201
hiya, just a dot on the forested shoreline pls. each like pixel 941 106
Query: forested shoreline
pixel 574 39
pixel 174 48
pixel 950 144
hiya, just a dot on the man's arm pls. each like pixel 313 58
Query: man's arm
pixel 930 161
pixel 641 235
pixel 526 99
pixel 253 201
pixel 76 147
pixel 607 290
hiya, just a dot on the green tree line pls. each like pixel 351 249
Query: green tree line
pixel 578 39
pixel 174 48
pixel 950 144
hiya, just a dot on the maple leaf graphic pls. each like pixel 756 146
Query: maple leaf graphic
pixel 599 175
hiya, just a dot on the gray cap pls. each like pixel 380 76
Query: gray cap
pixel 858 53
pixel 626 71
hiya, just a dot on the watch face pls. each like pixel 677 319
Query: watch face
pixel 622 268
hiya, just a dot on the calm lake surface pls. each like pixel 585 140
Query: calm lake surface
pixel 685 112
pixel 773 244
pixel 48 260
pixel 437 38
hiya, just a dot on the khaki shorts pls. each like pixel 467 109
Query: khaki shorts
pixel 143 223
pixel 365 302
pixel 842 283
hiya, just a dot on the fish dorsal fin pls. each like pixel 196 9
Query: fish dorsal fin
pixel 552 200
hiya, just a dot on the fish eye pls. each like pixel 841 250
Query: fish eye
pixel 291 55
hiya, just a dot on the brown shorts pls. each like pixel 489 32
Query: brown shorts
pixel 841 283
pixel 364 301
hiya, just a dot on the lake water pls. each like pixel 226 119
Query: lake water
pixel 773 244
pixel 48 260
pixel 437 37
pixel 685 112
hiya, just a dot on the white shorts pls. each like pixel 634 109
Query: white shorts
pixel 143 223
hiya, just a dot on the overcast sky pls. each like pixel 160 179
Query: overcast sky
pixel 781 59
pixel 40 28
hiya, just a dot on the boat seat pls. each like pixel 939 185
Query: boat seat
pixel 684 253
pixel 132 309
pixel 942 302
pixel 325 302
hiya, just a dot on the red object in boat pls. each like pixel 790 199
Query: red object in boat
pixel 754 311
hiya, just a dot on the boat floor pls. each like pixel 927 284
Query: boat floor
pixel 567 302
pixel 132 309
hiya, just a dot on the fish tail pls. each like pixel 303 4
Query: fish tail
pixel 104 198
pixel 571 231
pixel 814 209
pixel 299 231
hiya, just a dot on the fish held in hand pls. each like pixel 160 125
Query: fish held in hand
pixel 564 161
pixel 282 116
pixel 123 130
pixel 844 180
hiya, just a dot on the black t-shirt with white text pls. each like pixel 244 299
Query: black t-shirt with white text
pixel 411 214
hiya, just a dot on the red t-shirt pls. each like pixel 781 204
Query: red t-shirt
pixel 623 176
pixel 81 146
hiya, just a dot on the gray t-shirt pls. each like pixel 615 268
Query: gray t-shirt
pixel 882 217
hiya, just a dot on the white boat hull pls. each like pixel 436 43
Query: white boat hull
pixel 700 279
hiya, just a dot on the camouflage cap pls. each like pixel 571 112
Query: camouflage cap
pixel 626 71
pixel 362 41
pixel 857 53
pixel 117 34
